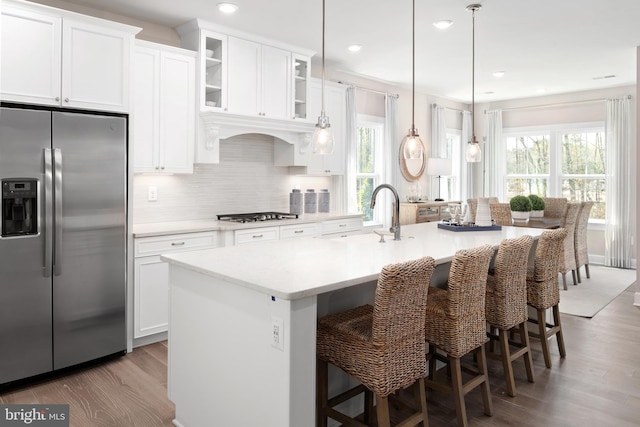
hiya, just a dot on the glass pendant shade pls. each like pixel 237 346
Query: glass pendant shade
pixel 412 145
pixel 473 154
pixel 322 141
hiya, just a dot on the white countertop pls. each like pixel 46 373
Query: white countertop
pixel 195 226
pixel 296 268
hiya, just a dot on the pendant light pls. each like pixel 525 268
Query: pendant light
pixel 322 141
pixel 412 144
pixel 473 153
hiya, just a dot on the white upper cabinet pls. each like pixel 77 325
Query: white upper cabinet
pixel 259 80
pixel 164 109
pixel 59 58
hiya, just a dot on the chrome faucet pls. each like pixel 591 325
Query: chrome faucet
pixel 395 227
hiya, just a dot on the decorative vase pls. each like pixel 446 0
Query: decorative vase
pixel 483 213
pixel 520 216
pixel 536 214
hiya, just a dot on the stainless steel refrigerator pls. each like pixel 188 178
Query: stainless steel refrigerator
pixel 62 240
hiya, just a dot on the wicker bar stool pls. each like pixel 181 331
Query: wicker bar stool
pixel 554 206
pixel 501 213
pixel 382 346
pixel 580 241
pixel 568 255
pixel 543 291
pixel 506 305
pixel 456 325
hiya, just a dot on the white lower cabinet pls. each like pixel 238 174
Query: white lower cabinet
pixel 151 278
pixel 341 227
pixel 302 230
pixel 253 235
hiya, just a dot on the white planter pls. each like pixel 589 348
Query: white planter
pixel 536 214
pixel 520 216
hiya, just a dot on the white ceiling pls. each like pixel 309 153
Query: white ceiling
pixel 556 45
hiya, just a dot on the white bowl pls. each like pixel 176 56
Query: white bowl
pixel 209 53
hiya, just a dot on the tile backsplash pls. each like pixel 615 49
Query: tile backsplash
pixel 245 180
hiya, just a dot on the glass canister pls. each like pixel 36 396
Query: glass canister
pixel 310 201
pixel 324 201
pixel 295 201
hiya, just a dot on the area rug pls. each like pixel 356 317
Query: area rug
pixel 592 295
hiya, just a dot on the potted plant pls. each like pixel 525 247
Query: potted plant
pixel 520 208
pixel 537 206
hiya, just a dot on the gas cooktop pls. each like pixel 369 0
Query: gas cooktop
pixel 256 217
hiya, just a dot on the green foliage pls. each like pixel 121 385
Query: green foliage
pixel 520 204
pixel 537 204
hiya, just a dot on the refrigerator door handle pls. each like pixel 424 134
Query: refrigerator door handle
pixel 48 208
pixel 57 175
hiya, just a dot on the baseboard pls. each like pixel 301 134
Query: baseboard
pixel 150 339
pixel 636 299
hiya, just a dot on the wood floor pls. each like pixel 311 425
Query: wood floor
pixel 598 384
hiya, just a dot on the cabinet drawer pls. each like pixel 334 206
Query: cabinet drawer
pixel 302 230
pixel 341 225
pixel 256 235
pixel 174 243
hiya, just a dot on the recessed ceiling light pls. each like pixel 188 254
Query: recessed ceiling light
pixel 227 8
pixel 443 25
pixel 498 74
pixel 355 47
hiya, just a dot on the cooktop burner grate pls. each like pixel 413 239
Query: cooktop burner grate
pixel 256 217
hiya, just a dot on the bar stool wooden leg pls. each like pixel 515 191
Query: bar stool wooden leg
pixel 458 391
pixel 506 362
pixel 542 328
pixel 421 396
pixel 528 360
pixel 559 336
pixel 484 387
pixel 322 388
pixel 382 405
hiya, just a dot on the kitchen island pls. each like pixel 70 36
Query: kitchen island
pixel 243 318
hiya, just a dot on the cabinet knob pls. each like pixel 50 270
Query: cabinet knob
pixel 57 99
pixel 157 167
pixel 162 167
pixel 66 100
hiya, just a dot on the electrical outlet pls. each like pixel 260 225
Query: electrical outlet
pixel 277 333
pixel 152 193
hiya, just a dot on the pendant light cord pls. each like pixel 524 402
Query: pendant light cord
pixel 473 75
pixel 323 13
pixel 413 68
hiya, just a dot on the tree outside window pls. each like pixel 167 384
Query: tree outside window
pixel 566 162
pixel 368 163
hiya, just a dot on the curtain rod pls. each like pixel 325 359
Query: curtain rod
pixel 394 95
pixel 559 104
pixel 448 108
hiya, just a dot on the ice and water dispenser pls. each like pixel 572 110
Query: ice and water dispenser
pixel 19 207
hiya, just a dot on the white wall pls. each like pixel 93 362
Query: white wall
pixel 244 181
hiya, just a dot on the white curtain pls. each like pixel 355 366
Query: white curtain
pixel 350 151
pixel 619 226
pixel 466 171
pixel 390 155
pixel 438 132
pixel 493 158
pixel 438 145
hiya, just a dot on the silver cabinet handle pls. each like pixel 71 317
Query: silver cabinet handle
pixel 177 244
pixel 298 231
pixel 57 174
pixel 57 99
pixel 342 225
pixel 66 100
pixel 48 209
pixel 257 236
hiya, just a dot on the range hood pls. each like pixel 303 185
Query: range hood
pixel 216 126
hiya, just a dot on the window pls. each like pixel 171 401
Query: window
pixel 564 161
pixel 369 136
